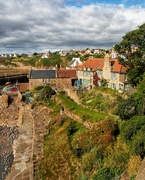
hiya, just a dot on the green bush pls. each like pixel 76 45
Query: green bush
pixel 126 108
pixel 103 174
pixel 132 132
pixel 129 128
pixel 138 143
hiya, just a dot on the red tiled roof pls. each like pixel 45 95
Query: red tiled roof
pixel 101 66
pixel 98 63
pixel 118 67
pixel 93 63
pixel 66 73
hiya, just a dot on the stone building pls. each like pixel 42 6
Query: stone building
pixel 106 68
pixel 57 79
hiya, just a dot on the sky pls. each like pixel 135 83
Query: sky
pixel 28 26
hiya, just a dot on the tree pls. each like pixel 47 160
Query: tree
pixel 35 54
pixel 132 132
pixel 132 49
pixel 127 108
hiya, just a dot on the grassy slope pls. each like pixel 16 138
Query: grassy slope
pixel 72 151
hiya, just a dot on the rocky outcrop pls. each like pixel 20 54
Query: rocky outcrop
pixel 141 172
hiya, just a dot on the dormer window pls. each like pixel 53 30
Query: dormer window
pixel 112 65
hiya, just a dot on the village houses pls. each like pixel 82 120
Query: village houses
pixel 88 74
pixel 92 72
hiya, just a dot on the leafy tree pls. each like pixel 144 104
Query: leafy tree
pixel 35 54
pixel 126 108
pixel 132 132
pixel 139 97
pixel 132 49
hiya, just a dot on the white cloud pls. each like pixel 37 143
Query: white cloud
pixel 36 25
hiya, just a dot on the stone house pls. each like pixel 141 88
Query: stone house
pixel 66 78
pixel 41 77
pixel 115 74
pixel 103 68
pixel 57 79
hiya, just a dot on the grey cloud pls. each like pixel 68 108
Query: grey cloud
pixel 37 25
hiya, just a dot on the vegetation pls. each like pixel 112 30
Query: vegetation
pixel 72 149
pixel 114 143
pixel 132 48
pixel 7 62
pixel 82 112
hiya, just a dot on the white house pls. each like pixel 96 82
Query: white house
pixel 74 63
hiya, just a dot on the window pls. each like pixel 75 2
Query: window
pixel 113 86
pixel 84 73
pixel 100 73
pixel 113 76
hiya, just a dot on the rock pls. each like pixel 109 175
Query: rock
pixel 141 172
pixel 4 100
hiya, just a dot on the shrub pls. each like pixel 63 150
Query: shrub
pixel 116 156
pixel 103 174
pixel 133 165
pixel 84 177
pixel 126 108
pixel 129 128
pixel 138 143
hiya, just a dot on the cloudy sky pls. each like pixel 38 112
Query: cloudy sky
pixel 28 26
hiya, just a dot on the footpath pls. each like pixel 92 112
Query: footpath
pixel 22 168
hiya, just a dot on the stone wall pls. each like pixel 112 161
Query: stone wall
pixel 72 94
pixel 61 83
pixel 58 83
pixel 4 101
pixel 35 82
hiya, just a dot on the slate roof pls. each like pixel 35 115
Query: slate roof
pixel 66 73
pixel 42 74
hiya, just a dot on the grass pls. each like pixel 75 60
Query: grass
pixel 84 113
pixel 59 160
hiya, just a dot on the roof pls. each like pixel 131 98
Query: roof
pixel 93 63
pixel 42 74
pixel 118 67
pixel 98 64
pixel 66 73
